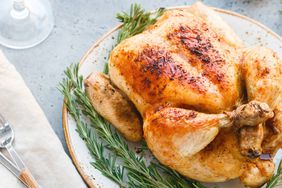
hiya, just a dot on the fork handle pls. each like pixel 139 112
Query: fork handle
pixel 25 174
pixel 28 179
pixel 15 157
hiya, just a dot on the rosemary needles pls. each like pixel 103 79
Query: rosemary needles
pixel 104 164
pixel 136 21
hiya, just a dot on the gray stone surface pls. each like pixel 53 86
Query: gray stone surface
pixel 79 23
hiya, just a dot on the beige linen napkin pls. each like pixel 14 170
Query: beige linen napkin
pixel 35 140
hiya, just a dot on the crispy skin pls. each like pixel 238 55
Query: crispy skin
pixel 187 131
pixel 176 135
pixel 256 172
pixel 191 59
pixel 223 30
pixel 109 102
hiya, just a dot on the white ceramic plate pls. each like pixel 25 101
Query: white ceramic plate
pixel 250 31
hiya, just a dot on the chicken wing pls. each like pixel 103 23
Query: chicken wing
pixel 111 103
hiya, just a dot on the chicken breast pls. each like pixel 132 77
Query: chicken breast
pixel 182 60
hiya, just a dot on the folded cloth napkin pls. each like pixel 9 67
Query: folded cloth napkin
pixel 35 141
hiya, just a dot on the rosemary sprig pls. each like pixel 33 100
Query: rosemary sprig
pixel 136 21
pixel 277 178
pixel 106 165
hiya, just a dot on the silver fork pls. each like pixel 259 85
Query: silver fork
pixel 6 139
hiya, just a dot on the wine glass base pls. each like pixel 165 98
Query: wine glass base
pixel 27 30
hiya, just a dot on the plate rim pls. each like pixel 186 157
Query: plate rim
pixel 84 176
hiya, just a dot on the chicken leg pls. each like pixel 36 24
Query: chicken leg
pixel 177 135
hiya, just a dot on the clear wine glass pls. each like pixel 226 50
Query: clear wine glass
pixel 24 23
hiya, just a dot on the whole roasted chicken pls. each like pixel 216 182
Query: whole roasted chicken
pixel 207 106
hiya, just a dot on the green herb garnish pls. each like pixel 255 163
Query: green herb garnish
pixel 106 165
pixel 136 21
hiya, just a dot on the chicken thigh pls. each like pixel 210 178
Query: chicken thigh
pixel 187 75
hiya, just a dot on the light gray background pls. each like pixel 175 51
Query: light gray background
pixel 79 23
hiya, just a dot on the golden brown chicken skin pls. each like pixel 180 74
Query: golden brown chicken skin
pixel 180 60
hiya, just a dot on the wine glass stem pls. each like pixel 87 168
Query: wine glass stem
pixel 19 10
